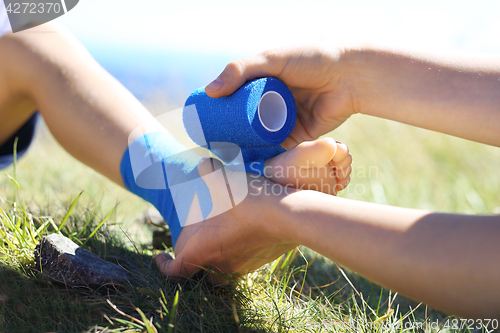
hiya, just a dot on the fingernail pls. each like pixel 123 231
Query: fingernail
pixel 215 84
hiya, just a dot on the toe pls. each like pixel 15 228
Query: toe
pixel 342 184
pixel 343 173
pixel 341 153
pixel 343 163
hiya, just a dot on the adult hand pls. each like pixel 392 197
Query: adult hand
pixel 315 77
pixel 239 240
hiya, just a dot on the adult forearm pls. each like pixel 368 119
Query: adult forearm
pixel 447 261
pixel 453 95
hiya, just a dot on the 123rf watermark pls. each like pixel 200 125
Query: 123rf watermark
pixel 25 14
pixel 452 325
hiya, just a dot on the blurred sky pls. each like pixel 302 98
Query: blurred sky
pixel 246 27
pixel 190 41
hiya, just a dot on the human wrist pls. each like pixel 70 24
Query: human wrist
pixel 363 71
pixel 273 215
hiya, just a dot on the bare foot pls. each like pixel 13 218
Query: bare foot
pixel 323 165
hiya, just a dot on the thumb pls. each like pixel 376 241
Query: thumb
pixel 238 72
pixel 175 269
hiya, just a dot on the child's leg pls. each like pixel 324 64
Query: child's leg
pixel 93 116
pixel 89 113
pixel 96 119
pixel 322 165
pixel 17 118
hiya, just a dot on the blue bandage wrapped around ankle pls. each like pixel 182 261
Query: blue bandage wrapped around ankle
pixel 162 171
pixel 256 167
pixel 257 118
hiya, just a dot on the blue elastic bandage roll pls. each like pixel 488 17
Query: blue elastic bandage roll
pixel 162 171
pixel 257 118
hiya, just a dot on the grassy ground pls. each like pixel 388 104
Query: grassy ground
pixel 302 292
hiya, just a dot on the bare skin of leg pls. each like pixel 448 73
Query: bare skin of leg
pixel 86 109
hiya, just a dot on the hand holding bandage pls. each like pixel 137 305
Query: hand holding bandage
pixel 257 118
pixel 162 171
pixel 242 130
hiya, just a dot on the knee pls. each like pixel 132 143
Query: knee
pixel 28 57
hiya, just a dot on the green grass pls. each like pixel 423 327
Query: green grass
pixel 301 292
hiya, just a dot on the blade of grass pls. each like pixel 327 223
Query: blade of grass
pixel 164 301
pixel 86 223
pixel 147 323
pixel 128 323
pixel 274 266
pixel 15 168
pixel 54 225
pixel 15 157
pixel 70 210
pixel 30 232
pixel 172 313
pixel 355 290
pixel 99 226
pixel 288 259
pixel 42 228
pixel 124 314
